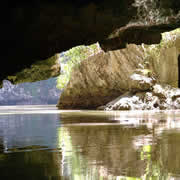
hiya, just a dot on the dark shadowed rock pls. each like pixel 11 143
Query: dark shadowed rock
pixel 36 30
pixel 40 70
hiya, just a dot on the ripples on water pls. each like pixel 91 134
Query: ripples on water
pixel 43 143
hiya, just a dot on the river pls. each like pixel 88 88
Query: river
pixel 44 143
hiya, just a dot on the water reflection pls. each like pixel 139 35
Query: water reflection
pixel 89 145
pixel 136 146
pixel 26 145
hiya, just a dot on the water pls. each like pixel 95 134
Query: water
pixel 43 143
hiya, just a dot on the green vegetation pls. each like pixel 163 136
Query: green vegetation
pixel 169 39
pixel 40 70
pixel 72 58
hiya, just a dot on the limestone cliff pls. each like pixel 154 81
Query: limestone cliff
pixel 41 92
pixel 101 78
pixel 134 71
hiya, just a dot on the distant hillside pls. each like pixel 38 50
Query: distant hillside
pixel 41 92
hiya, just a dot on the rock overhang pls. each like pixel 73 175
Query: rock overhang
pixel 35 30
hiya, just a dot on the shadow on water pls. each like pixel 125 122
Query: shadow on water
pixel 89 145
pixel 1 145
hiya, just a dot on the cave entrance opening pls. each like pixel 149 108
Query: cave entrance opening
pixel 179 71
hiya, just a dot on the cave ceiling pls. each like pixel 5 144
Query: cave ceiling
pixel 36 30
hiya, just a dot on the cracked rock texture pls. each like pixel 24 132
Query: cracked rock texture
pixel 101 78
pixel 160 98
pixel 131 74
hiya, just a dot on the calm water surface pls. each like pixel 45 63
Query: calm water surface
pixel 43 143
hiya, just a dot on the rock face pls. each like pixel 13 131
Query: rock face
pixel 166 65
pixel 159 98
pixel 36 30
pixel 42 92
pixel 133 74
pixel 101 78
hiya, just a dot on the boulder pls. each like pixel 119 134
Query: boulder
pixel 103 77
pixel 141 82
pixel 160 98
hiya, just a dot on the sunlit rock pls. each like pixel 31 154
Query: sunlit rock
pixel 140 82
pixel 125 102
pixel 101 78
pixel 149 73
pixel 161 97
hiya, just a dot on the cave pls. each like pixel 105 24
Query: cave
pixel 36 30
pixel 51 144
pixel 179 71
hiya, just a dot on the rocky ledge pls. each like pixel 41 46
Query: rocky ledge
pixel 161 97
